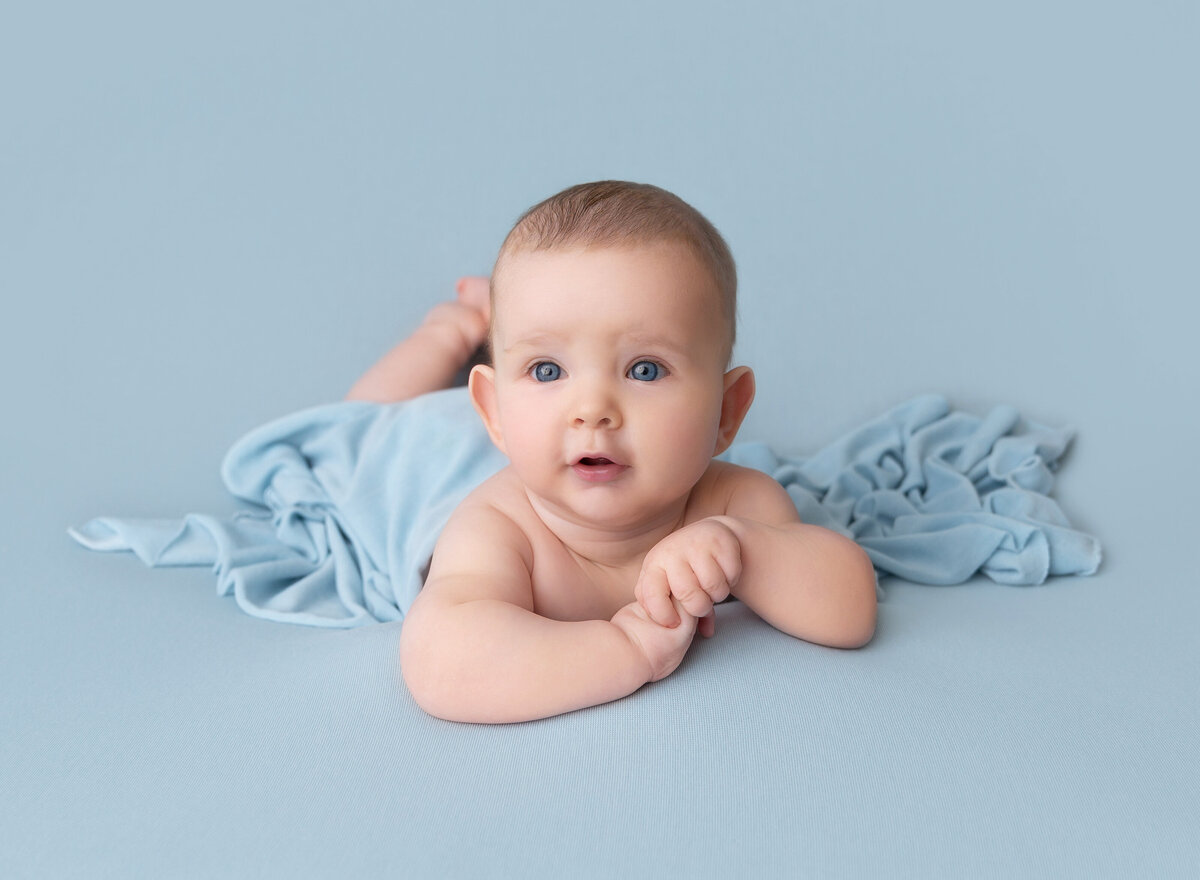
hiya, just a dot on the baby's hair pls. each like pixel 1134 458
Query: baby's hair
pixel 614 213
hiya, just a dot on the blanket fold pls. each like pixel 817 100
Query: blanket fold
pixel 345 503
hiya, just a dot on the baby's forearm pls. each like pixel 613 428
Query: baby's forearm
pixel 807 581
pixel 491 661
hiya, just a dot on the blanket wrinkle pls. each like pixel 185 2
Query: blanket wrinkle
pixel 344 503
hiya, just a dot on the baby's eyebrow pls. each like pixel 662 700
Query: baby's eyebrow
pixel 652 341
pixel 646 341
pixel 535 341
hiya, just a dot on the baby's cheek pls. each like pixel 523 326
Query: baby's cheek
pixel 524 438
pixel 690 444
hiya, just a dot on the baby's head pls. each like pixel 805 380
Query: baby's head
pixel 618 214
pixel 612 328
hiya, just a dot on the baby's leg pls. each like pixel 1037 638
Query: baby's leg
pixel 429 359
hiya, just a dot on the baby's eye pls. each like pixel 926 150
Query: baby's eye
pixel 546 371
pixel 645 371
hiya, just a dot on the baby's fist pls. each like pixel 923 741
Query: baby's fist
pixel 696 566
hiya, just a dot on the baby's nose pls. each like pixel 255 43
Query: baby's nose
pixel 594 421
pixel 596 409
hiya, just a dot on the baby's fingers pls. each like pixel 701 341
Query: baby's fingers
pixel 686 587
pixel 654 593
pixel 712 578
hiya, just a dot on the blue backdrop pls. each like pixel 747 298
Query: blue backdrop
pixel 213 214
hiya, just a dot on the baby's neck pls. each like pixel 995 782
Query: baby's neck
pixel 610 548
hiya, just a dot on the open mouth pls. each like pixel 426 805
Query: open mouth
pixel 598 469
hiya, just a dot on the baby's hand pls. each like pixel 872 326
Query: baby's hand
pixel 663 647
pixel 697 566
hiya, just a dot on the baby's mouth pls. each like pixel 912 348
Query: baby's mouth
pixel 598 469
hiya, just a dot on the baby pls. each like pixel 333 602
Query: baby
pixel 584 569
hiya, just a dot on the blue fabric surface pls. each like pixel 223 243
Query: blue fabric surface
pixel 348 499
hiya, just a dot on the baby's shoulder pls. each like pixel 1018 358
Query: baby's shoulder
pixel 733 490
pixel 483 551
pixel 495 546
pixel 497 506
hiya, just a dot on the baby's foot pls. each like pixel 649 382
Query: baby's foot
pixel 438 354
pixel 475 291
pixel 460 325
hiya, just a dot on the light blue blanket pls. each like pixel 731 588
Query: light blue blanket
pixel 347 500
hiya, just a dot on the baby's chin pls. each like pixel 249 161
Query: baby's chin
pixel 601 509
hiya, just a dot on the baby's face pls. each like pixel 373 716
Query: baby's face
pixel 609 376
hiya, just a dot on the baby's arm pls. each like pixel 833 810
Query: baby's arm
pixel 473 649
pixel 804 580
pixel 808 581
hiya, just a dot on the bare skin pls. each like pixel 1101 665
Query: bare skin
pixel 430 358
pixel 557 586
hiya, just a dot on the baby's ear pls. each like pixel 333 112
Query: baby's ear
pixel 739 394
pixel 482 386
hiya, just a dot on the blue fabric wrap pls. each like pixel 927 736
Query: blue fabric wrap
pixel 347 500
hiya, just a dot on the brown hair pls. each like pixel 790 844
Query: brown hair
pixel 613 213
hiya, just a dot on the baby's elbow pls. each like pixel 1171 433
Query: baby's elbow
pixel 857 634
pixel 861 605
pixel 419 667
pixel 413 665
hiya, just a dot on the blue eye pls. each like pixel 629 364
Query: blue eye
pixel 645 371
pixel 546 371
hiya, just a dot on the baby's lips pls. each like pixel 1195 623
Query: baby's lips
pixel 593 459
pixel 598 468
